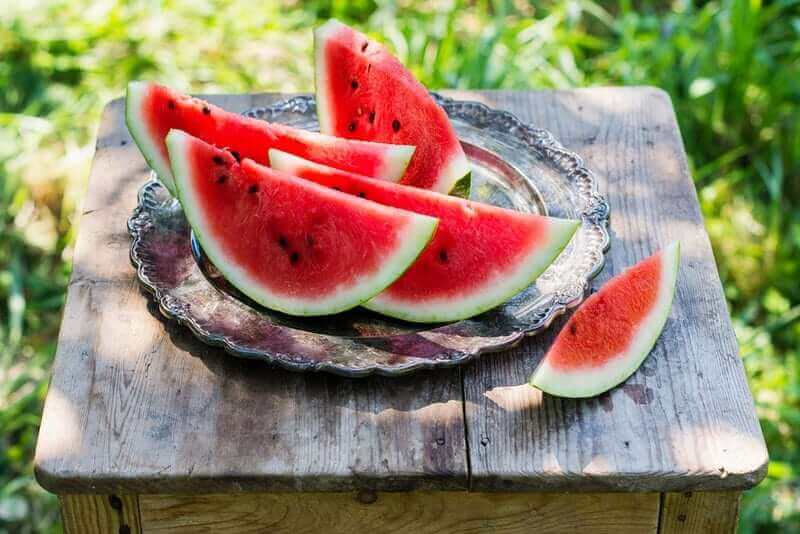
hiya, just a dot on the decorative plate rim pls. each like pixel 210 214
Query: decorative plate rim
pixel 595 212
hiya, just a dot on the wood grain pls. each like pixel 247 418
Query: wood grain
pixel 712 512
pixel 685 420
pixel 423 512
pixel 137 405
pixel 100 514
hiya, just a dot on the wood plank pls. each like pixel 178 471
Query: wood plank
pixel 711 512
pixel 424 512
pixel 685 420
pixel 100 514
pixel 136 405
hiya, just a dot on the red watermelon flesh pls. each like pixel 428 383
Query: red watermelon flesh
pixel 363 92
pixel 152 110
pixel 287 243
pixel 479 257
pixel 610 335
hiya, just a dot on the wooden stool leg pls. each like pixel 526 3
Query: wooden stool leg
pixel 100 514
pixel 705 511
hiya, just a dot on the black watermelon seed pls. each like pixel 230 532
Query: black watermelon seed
pixel 221 179
pixel 573 329
pixel 282 242
pixel 443 255
pixel 206 111
pixel 219 160
pixel 372 116
pixel 364 46
pixel 354 84
pixel 362 194
pixel 338 189
pixel 294 257
pixel 252 189
pixel 171 104
pixel 236 156
pixel 352 126
pixel 396 125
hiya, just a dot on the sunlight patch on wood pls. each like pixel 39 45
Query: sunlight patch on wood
pixel 515 398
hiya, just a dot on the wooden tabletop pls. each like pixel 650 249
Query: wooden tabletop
pixel 137 405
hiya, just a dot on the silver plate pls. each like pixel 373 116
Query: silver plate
pixel 514 165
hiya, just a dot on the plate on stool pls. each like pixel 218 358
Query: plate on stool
pixel 514 165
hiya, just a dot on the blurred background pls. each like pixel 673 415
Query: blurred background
pixel 732 68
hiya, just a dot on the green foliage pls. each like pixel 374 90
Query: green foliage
pixel 731 67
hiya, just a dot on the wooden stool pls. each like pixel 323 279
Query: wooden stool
pixel 146 429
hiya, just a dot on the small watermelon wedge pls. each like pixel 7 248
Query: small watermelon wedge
pixel 479 257
pixel 611 334
pixel 152 110
pixel 363 92
pixel 287 243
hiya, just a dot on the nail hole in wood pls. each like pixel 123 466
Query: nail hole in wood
pixel 115 502
pixel 366 497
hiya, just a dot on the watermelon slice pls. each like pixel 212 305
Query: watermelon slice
pixel 363 92
pixel 610 335
pixel 287 243
pixel 152 110
pixel 480 255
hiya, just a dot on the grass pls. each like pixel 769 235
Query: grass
pixel 731 67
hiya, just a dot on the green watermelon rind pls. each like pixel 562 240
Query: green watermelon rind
pixel 583 383
pixel 321 34
pixel 452 179
pixel 420 231
pixel 134 99
pixel 455 170
pixel 463 187
pixel 498 291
